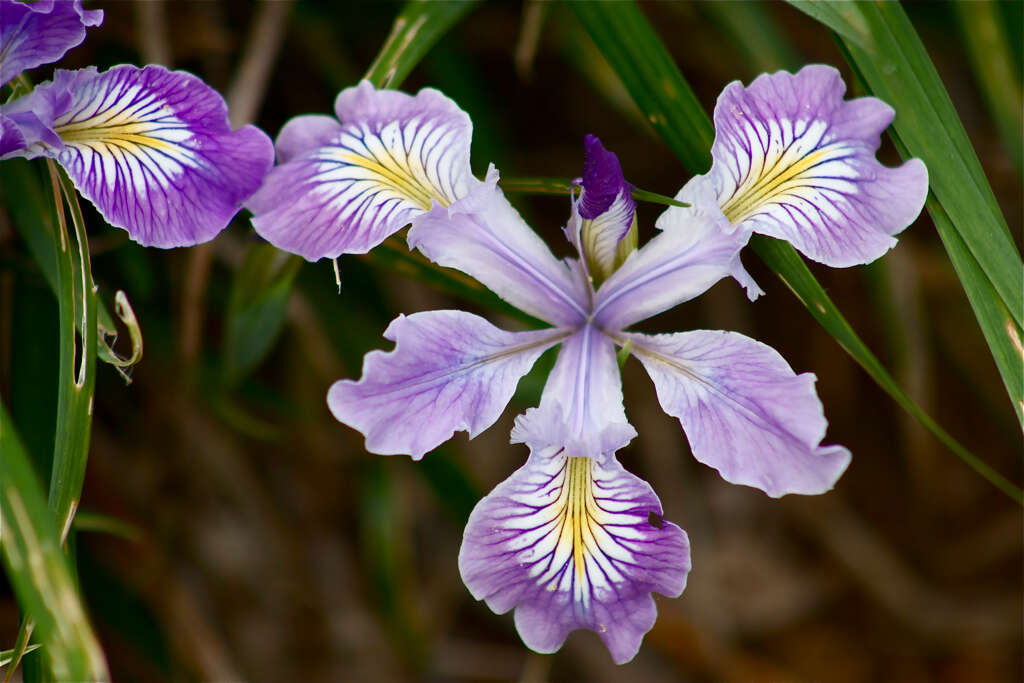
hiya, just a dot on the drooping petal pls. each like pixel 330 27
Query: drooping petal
pixel 485 237
pixel 344 189
pixel 570 543
pixel 796 162
pixel 449 371
pixel 583 393
pixel 152 149
pixel 607 210
pixel 744 411
pixel 673 267
pixel 37 33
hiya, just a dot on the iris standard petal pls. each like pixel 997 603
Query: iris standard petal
pixel 744 411
pixel 484 236
pixel 36 33
pixel 570 543
pixel 344 191
pixel 607 210
pixel 674 266
pixel 449 371
pixel 152 149
pixel 796 162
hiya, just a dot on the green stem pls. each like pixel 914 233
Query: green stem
pixel 76 304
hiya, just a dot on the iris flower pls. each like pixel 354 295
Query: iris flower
pixel 571 539
pixel 152 149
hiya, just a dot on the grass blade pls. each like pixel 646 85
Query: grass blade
pixel 77 355
pixel 38 569
pixel 652 78
pixel 417 27
pixel 632 41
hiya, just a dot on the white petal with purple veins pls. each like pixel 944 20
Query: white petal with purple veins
pixel 794 161
pixel 570 543
pixel 152 150
pixel 449 371
pixel 744 411
pixel 345 188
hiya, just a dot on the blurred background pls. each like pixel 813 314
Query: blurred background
pixel 231 529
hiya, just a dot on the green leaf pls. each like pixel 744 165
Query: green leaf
pixel 894 65
pixel 257 306
pixel 38 569
pixel 416 29
pixel 77 370
pixel 653 80
pixel 630 41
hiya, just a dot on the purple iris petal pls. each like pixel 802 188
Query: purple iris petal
pixel 744 411
pixel 449 371
pixel 570 543
pixel 794 161
pixel 343 188
pixel 487 239
pixel 152 149
pixel 36 33
pixel 675 266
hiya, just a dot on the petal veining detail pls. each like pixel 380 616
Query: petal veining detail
pixel 744 410
pixel 37 33
pixel 152 150
pixel 449 371
pixel 796 162
pixel 347 187
pixel 574 542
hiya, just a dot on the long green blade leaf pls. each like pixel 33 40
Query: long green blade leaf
pixel 38 570
pixel 77 354
pixel 416 29
pixel 631 41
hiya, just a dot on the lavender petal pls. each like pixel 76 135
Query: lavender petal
pixel 449 371
pixel 675 266
pixel 152 149
pixel 37 33
pixel 570 543
pixel 344 188
pixel 744 411
pixel 794 161
pixel 484 236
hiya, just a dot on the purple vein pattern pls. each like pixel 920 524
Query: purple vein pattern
pixel 37 33
pixel 152 149
pixel 793 160
pixel 343 185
